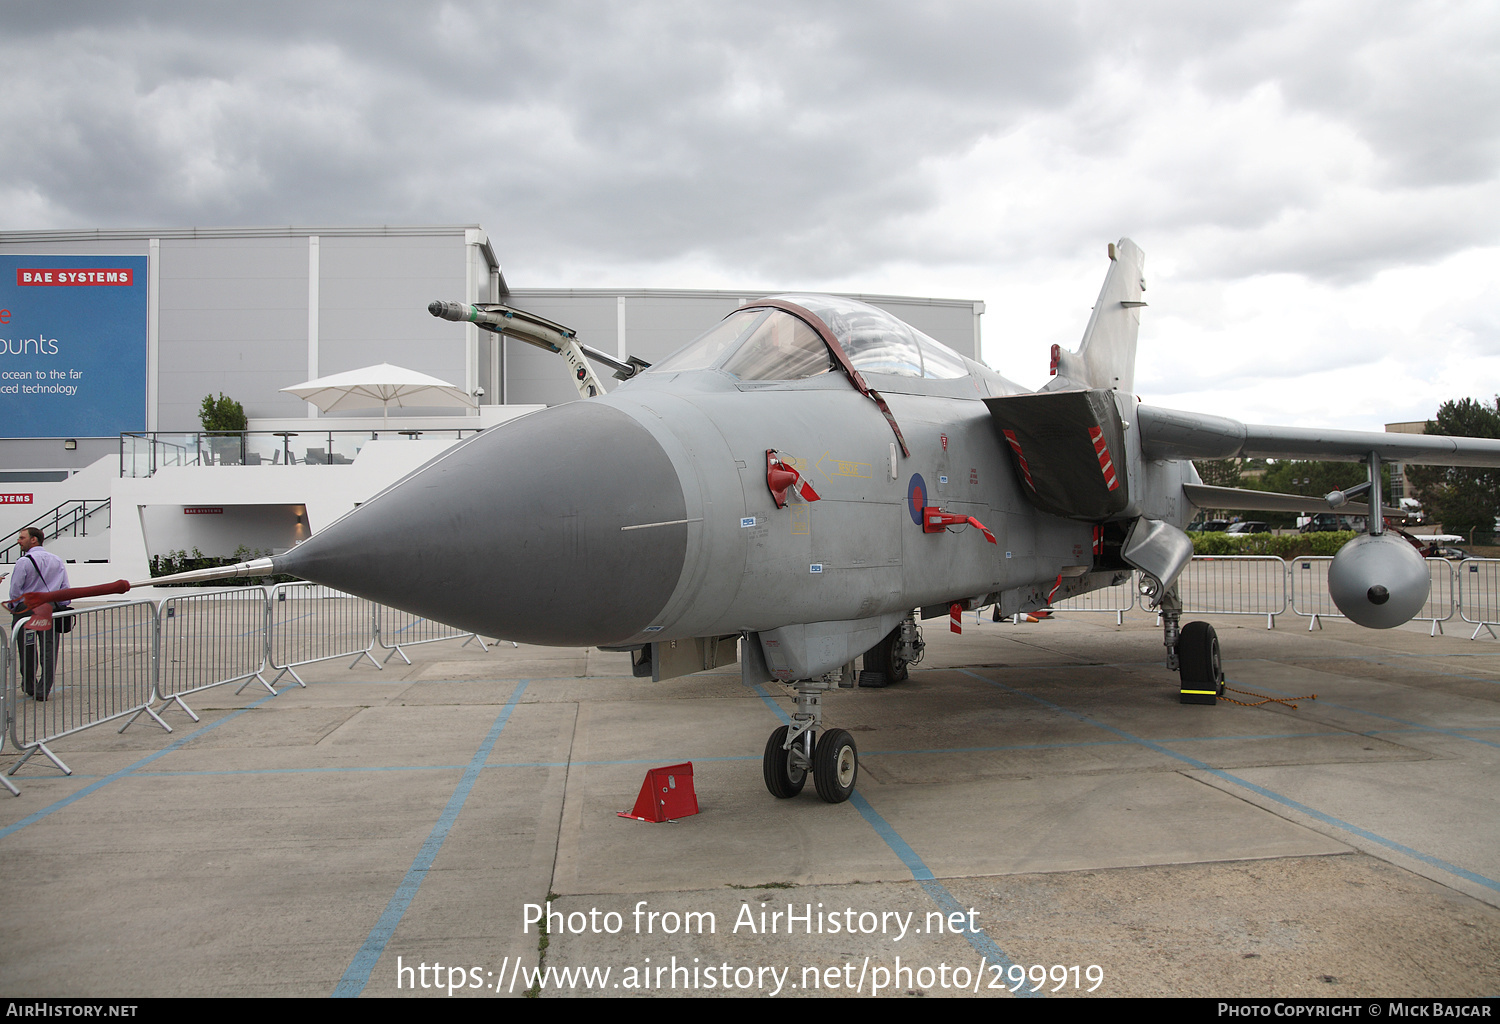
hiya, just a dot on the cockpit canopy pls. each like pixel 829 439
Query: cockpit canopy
pixel 765 344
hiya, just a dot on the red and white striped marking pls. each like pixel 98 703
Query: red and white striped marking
pixel 981 528
pixel 955 617
pixel 1101 448
pixel 1010 435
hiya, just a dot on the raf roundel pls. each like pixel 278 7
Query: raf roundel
pixel 916 497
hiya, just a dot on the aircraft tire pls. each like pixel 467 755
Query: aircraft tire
pixel 782 778
pixel 1199 662
pixel 835 766
pixel 883 660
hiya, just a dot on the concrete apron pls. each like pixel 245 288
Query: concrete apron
pixel 1034 795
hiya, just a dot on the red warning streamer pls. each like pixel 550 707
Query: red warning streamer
pixel 935 520
pixel 781 477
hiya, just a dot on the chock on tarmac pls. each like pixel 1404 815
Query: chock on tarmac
pixel 666 794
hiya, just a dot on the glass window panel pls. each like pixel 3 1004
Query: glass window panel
pixel 874 340
pixel 709 348
pixel 781 348
pixel 939 362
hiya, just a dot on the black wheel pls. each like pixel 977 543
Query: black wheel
pixel 883 664
pixel 1199 664
pixel 783 778
pixel 835 766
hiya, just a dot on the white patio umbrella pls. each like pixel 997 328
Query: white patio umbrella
pixel 380 385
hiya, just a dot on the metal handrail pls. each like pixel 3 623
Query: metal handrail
pixel 143 453
pixel 75 510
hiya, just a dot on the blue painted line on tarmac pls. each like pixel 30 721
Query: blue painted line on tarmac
pixel 776 709
pixel 1327 819
pixel 131 769
pixel 918 868
pixel 976 937
pixel 357 976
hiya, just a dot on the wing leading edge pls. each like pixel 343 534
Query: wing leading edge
pixel 1172 434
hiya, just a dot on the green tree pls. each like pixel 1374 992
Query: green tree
pixel 1218 472
pixel 221 413
pixel 1464 500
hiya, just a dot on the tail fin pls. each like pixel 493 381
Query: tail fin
pixel 1106 358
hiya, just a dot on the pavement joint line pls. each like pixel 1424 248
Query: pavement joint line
pixel 130 769
pixel 1378 661
pixel 357 975
pixel 920 872
pixel 1270 794
pixel 728 758
pixel 1410 726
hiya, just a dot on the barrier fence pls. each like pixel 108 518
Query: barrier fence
pixel 310 622
pixel 1479 593
pixel 1442 594
pixel 395 629
pixel 1309 589
pixel 1119 599
pixel 64 683
pixel 209 639
pixel 5 703
pixel 120 661
pixel 1235 585
pixel 1271 586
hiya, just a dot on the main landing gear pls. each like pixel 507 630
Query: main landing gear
pixel 795 750
pixel 887 662
pixel 1200 665
pixel 1193 651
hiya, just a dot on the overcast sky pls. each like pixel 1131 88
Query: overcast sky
pixel 1314 184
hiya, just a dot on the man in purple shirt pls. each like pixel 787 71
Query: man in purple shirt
pixel 36 570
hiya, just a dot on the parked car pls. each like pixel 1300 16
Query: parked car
pixel 1446 551
pixel 1208 526
pixel 1329 522
pixel 1248 526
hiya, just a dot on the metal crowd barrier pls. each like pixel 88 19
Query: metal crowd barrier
pixel 1309 586
pixel 5 703
pixel 102 670
pixel 329 624
pixel 209 639
pixel 1479 593
pixel 1235 585
pixel 1442 595
pixel 395 629
pixel 1118 599
pixel 121 659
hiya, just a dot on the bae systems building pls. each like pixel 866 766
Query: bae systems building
pixel 110 339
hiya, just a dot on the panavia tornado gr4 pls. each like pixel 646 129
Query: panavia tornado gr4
pixel 798 485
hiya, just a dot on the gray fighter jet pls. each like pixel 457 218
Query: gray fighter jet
pixel 795 487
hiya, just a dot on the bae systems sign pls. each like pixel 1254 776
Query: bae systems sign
pixel 72 345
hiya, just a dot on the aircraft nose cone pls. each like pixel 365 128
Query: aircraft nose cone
pixel 521 532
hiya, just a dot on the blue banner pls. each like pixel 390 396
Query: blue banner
pixel 73 341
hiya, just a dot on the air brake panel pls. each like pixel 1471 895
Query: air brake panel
pixel 1068 450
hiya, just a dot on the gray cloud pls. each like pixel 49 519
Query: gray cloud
pixel 788 141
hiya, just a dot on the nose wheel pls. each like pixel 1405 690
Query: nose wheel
pixel 791 752
pixel 785 765
pixel 834 764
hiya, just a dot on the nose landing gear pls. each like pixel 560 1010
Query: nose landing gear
pixel 794 750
